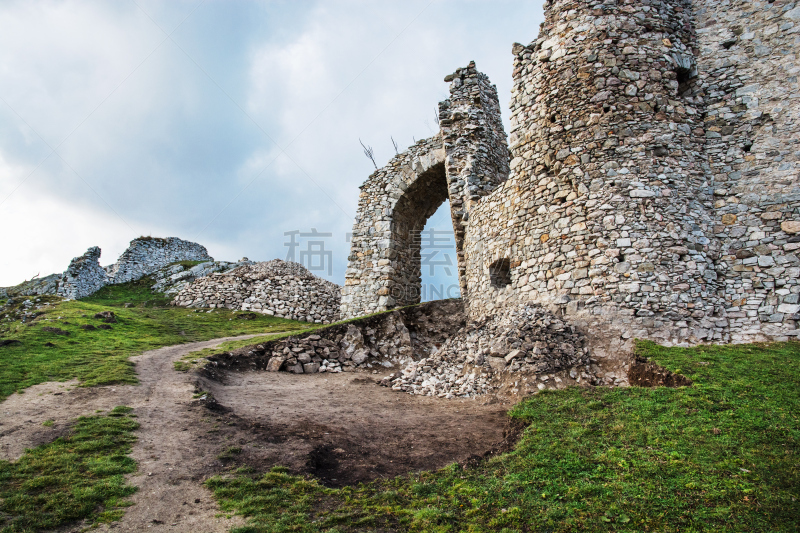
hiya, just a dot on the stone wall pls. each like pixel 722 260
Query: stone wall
pixel 465 161
pixel 654 180
pixel 84 276
pixel 607 211
pixel 145 255
pixel 279 288
pixel 748 65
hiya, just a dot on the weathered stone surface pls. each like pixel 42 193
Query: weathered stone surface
pixel 84 276
pixel 465 161
pixel 146 255
pixel 279 288
pixel 791 226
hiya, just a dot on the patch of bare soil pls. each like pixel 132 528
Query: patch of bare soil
pixel 644 373
pixel 175 453
pixel 344 429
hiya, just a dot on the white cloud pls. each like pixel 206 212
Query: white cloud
pixel 41 234
pixel 169 150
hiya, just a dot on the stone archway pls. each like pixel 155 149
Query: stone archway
pixel 384 263
pixel 466 160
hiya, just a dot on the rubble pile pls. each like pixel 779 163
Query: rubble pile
pixel 528 340
pixel 386 340
pixel 174 278
pixel 279 288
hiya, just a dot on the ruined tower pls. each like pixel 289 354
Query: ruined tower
pixel 607 211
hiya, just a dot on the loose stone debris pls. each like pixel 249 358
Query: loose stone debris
pixel 278 288
pixel 434 352
pixel 475 360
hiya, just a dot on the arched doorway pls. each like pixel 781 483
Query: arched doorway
pixel 465 161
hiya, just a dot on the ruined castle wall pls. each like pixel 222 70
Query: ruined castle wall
pixel 145 255
pixel 748 66
pixel 382 271
pixel 465 161
pixel 474 140
pixel 607 212
pixel 84 276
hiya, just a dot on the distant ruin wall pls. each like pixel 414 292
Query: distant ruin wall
pixel 465 161
pixel 83 277
pixel 145 255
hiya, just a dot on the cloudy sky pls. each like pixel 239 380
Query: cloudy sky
pixel 224 123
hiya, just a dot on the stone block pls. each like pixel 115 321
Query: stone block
pixel 497 363
pixel 791 226
pixel 311 368
pixel 275 364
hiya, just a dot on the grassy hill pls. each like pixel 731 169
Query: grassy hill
pixel 63 341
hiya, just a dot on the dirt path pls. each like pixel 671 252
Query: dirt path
pixel 342 428
pixel 172 459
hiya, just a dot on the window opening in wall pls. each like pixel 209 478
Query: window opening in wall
pixel 500 273
pixel 685 71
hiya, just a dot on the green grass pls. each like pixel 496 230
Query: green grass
pixel 80 476
pixel 720 455
pixel 98 357
pixel 187 264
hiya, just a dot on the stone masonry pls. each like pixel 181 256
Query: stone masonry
pixel 464 162
pixel 145 255
pixel 279 288
pixel 84 276
pixel 653 186
pixel 604 211
pixel 748 66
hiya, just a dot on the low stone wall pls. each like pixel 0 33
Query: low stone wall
pixel 145 255
pixel 385 340
pixel 279 288
pixel 84 276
